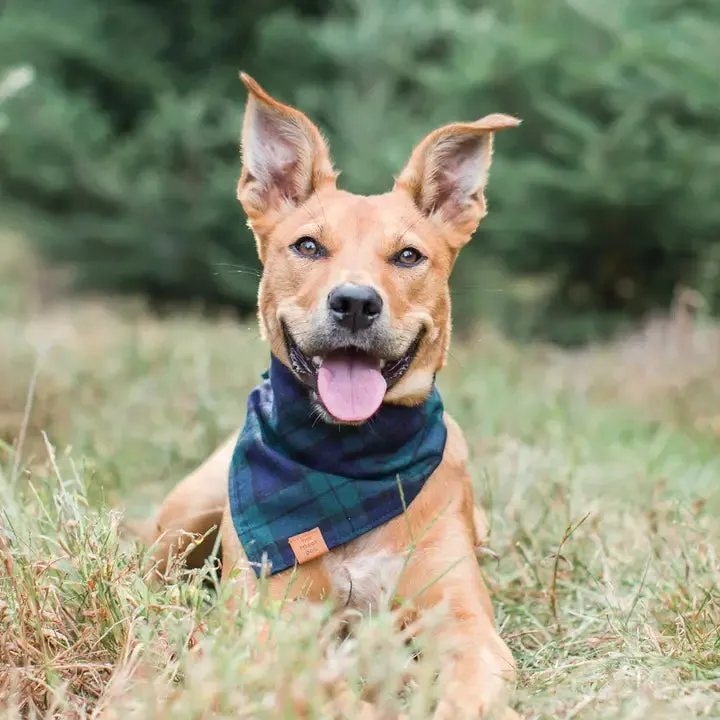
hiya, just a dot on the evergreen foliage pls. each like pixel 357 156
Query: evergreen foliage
pixel 122 161
pixel 123 155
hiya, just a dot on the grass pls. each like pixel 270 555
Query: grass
pixel 600 471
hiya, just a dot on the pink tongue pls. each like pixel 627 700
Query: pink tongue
pixel 351 386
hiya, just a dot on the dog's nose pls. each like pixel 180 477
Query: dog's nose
pixel 355 307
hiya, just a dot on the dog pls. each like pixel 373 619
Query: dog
pixel 354 303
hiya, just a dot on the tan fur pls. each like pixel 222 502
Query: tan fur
pixel 435 205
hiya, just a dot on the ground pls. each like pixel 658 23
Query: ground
pixel 600 471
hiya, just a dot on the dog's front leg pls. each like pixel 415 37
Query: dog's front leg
pixel 475 681
pixel 477 667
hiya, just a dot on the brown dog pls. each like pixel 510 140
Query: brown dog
pixel 388 258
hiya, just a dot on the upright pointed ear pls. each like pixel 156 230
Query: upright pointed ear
pixel 285 159
pixel 448 170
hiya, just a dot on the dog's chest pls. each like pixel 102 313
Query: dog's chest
pixel 363 574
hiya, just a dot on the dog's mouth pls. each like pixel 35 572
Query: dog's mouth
pixel 350 383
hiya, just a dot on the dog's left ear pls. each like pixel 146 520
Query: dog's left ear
pixel 448 170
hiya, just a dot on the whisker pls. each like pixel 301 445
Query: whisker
pixel 239 269
pixel 459 290
pixel 411 225
pixel 455 358
pixel 322 210
pixel 313 219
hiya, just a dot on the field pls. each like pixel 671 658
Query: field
pixel 600 471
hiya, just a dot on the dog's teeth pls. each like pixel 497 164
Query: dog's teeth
pixel 382 364
pixel 317 361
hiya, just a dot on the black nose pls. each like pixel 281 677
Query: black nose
pixel 355 307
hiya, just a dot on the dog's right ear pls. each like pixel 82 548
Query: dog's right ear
pixel 285 158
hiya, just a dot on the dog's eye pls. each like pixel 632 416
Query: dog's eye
pixel 408 257
pixel 307 247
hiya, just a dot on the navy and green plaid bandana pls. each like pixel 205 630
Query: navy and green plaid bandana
pixel 291 472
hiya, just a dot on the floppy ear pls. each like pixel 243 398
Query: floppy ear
pixel 285 158
pixel 448 170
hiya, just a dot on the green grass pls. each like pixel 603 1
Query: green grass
pixel 600 472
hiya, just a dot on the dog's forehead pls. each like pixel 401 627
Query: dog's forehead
pixel 352 217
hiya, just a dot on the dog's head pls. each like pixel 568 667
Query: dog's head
pixel 354 296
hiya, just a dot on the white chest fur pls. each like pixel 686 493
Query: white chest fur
pixel 364 576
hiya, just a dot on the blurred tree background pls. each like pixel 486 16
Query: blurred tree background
pixel 120 162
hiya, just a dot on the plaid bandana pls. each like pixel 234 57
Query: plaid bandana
pixel 300 486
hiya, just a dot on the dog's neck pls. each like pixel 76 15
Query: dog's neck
pixel 292 474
